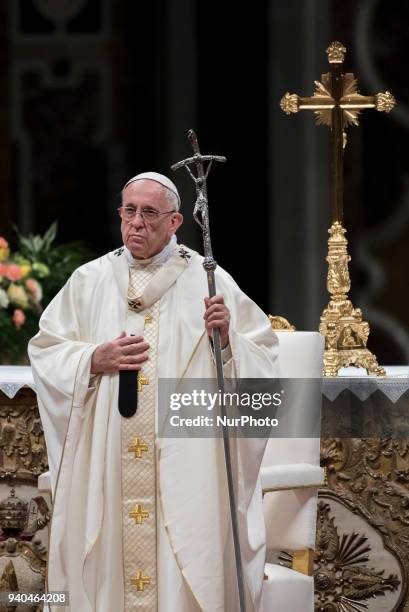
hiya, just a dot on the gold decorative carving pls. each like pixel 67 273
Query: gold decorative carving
pixel 323 92
pixel 345 332
pixel 35 554
pixel 22 559
pixel 280 323
pixel 344 578
pixel 289 103
pixel 23 457
pixel 17 515
pixel 375 469
pixel 8 579
pixel 371 478
pixel 23 453
pixel 13 512
pixel 336 52
pixel 385 102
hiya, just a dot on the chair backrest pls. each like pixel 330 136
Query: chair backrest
pixel 300 354
pixel 290 515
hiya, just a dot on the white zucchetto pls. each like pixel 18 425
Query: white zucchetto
pixel 159 178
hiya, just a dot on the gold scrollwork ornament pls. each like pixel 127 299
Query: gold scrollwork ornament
pixel 345 332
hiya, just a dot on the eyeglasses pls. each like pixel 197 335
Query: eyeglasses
pixel 128 213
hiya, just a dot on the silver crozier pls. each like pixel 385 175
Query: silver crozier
pixel 201 216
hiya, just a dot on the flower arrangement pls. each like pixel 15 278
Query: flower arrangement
pixel 29 279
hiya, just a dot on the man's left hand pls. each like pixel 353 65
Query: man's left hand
pixel 217 315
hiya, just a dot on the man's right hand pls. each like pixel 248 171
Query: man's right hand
pixel 123 353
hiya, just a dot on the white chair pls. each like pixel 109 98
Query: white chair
pixel 290 477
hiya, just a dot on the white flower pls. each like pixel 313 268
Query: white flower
pixel 4 300
pixel 17 295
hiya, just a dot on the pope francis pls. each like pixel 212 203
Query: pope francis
pixel 142 523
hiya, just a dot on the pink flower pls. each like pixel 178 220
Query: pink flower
pixel 3 243
pixel 13 272
pixel 19 318
pixel 35 290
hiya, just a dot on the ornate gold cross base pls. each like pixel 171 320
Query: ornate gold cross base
pixel 346 334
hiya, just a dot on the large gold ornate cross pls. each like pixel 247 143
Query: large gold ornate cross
pixel 337 103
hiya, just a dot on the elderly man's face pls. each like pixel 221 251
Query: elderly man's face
pixel 143 237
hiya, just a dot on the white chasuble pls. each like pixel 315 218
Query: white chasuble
pixel 95 509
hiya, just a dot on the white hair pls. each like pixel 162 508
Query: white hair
pixel 172 198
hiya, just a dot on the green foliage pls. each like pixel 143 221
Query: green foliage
pixel 13 341
pixel 39 266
